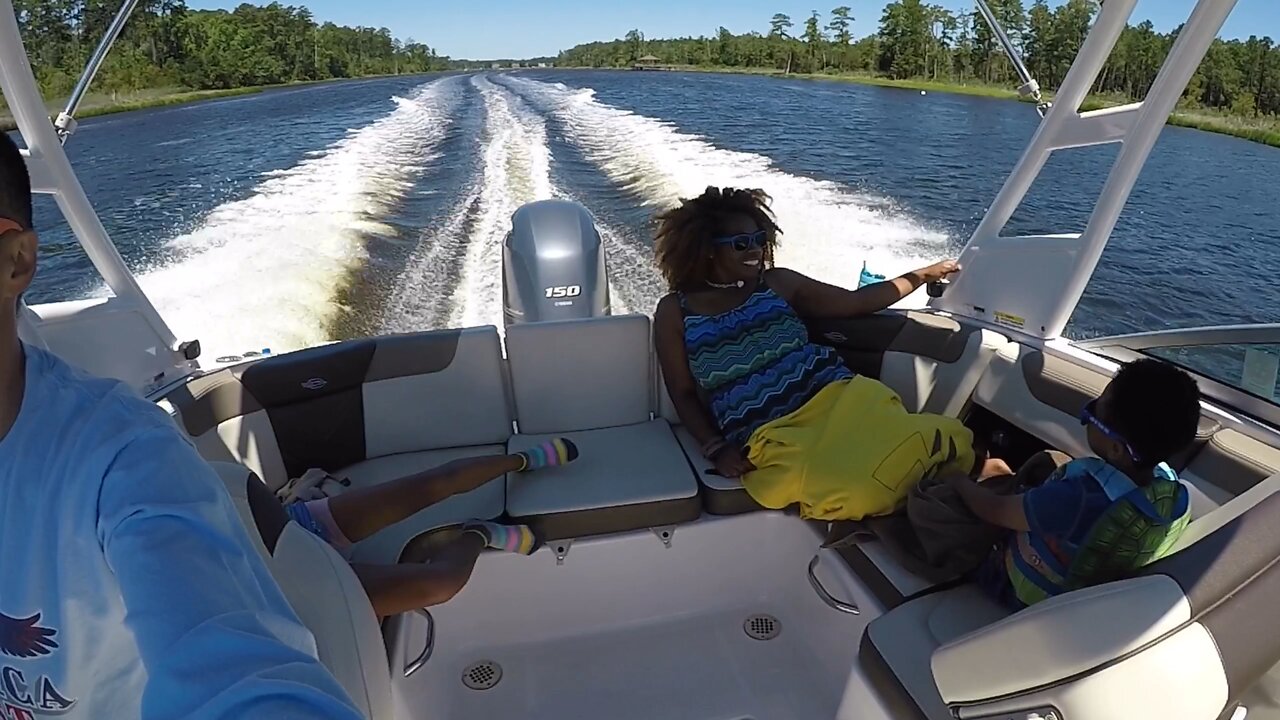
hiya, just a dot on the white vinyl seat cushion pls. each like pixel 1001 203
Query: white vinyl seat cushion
pixel 329 599
pixel 624 478
pixel 903 640
pixel 483 503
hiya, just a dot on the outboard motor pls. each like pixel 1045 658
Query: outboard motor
pixel 553 265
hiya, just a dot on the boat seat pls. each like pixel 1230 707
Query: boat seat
pixel 896 647
pixel 720 495
pixel 933 362
pixel 1179 640
pixel 892 582
pixel 592 381
pixel 1043 393
pixel 372 410
pixel 324 592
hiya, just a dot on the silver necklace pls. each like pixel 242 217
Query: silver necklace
pixel 726 286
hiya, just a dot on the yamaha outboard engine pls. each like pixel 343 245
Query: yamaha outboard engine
pixel 553 265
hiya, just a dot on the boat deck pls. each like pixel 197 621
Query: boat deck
pixel 627 628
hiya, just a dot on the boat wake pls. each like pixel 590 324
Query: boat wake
pixel 273 269
pixel 829 229
pixel 267 270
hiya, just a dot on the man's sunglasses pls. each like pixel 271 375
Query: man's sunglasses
pixel 1089 416
pixel 744 241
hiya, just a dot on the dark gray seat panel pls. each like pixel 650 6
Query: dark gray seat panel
pixel 338 405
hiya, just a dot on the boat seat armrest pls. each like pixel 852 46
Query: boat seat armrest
pixel 1058 638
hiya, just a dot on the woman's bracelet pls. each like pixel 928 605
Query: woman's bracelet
pixel 711 447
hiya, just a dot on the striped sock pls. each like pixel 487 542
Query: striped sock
pixel 508 538
pixel 556 451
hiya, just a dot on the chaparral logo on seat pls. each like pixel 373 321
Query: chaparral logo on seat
pixel 315 383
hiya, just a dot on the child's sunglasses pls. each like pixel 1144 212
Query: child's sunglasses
pixel 1089 416
pixel 744 241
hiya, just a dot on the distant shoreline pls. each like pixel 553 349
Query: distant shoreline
pixel 1266 132
pixel 97 104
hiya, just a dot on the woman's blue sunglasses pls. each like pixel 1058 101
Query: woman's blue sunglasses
pixel 1089 416
pixel 745 241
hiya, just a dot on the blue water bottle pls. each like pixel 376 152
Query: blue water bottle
pixel 867 277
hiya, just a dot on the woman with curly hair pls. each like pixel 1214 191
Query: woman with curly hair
pixel 764 403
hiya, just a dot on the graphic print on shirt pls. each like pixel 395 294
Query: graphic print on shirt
pixel 25 695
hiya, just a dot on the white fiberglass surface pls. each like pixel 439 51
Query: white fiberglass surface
pixel 628 628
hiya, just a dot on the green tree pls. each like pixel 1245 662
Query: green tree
pixel 635 43
pixel 780 26
pixel 904 39
pixel 839 25
pixel 815 41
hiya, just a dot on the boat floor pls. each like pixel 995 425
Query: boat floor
pixel 627 628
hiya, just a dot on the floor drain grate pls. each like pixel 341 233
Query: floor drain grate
pixel 482 675
pixel 762 627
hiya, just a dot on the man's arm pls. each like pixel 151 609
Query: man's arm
pixel 1005 511
pixel 216 635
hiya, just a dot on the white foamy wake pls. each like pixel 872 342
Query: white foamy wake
pixel 830 229
pixel 265 271
pixel 517 170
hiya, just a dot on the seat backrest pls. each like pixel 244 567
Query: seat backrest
pixel 575 375
pixel 324 592
pixel 332 406
pixel 1184 639
pixel 932 361
pixel 427 391
pixel 1043 393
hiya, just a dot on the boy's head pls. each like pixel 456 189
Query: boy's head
pixel 1148 412
pixel 17 236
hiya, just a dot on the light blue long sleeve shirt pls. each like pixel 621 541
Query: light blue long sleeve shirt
pixel 128 587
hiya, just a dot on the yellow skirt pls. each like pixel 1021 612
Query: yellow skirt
pixel 852 451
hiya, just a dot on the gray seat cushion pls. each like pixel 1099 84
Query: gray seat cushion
pixel 625 478
pixel 897 647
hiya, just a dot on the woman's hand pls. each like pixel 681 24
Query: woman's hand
pixel 937 271
pixel 731 462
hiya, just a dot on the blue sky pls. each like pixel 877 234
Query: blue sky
pixel 529 28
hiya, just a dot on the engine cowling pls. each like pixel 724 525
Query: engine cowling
pixel 553 264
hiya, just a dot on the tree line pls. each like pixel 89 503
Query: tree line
pixel 167 44
pixel 926 41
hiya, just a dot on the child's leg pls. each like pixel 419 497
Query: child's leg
pixel 408 586
pixel 361 512
pixel 1040 466
pixel 993 467
pixel 436 565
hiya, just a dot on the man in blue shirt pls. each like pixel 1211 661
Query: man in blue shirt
pixel 1147 413
pixel 128 587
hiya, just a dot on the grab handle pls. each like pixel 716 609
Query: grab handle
pixel 430 645
pixel 826 597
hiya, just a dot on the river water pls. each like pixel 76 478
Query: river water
pixel 300 215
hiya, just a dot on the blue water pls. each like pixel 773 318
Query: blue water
pixel 336 210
